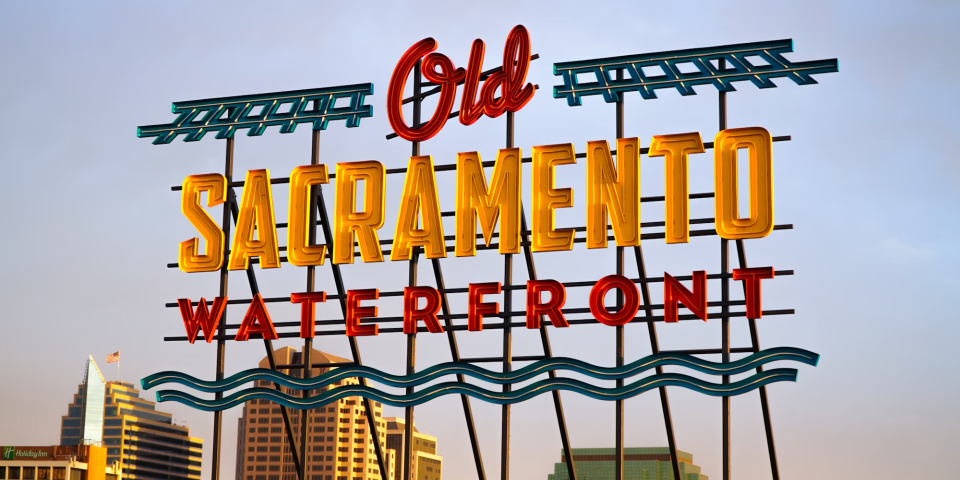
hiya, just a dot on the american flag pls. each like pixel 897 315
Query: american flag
pixel 113 357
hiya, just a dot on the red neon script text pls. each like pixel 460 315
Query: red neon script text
pixel 437 68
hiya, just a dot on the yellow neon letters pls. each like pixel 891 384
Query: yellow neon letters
pixel 364 224
pixel 299 250
pixel 675 150
pixel 546 198
pixel 612 196
pixel 212 258
pixel 618 190
pixel 256 229
pixel 419 202
pixel 474 200
pixel 759 145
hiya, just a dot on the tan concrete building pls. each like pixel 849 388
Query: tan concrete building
pixel 339 446
pixel 425 462
pixel 64 462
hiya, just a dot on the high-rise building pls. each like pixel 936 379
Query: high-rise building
pixel 638 464
pixel 425 461
pixel 145 442
pixel 339 441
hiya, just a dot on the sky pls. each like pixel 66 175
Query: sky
pixel 869 182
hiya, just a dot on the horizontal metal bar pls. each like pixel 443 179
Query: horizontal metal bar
pixel 525 242
pixel 589 283
pixel 521 358
pixel 450 167
pixel 500 326
pixel 710 351
pixel 299 366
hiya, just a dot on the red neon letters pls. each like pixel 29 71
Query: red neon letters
pixel 307 311
pixel 535 307
pixel 257 320
pixel 412 315
pixel 476 308
pixel 438 68
pixel 631 300
pixel 355 312
pixel 203 318
pixel 751 278
pixel 674 292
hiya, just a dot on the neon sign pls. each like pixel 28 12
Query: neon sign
pixel 613 197
pixel 489 195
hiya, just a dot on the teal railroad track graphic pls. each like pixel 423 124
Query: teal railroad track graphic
pixel 527 373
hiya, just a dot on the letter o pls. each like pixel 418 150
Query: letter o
pixel 631 300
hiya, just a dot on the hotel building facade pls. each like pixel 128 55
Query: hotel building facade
pixel 74 462
pixel 145 442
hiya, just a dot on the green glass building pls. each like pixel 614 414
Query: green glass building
pixel 145 443
pixel 638 464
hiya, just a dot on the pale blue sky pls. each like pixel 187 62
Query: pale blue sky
pixel 870 182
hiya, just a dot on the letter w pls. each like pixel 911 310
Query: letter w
pixel 202 318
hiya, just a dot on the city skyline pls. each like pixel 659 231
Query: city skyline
pixel 866 150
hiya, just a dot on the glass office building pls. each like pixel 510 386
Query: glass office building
pixel 145 442
pixel 83 424
pixel 638 464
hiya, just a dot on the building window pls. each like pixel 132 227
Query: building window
pixel 14 473
pixel 59 473
pixel 76 474
pixel 43 473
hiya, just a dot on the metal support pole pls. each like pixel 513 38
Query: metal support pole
pixel 507 341
pixel 408 429
pixel 408 473
pixel 655 349
pixel 620 347
pixel 230 208
pixel 455 356
pixel 305 358
pixel 764 404
pixel 725 292
pixel 268 346
pixel 548 353
pixel 222 330
pixel 354 347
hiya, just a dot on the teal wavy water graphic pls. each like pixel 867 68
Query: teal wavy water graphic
pixel 500 398
pixel 520 375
